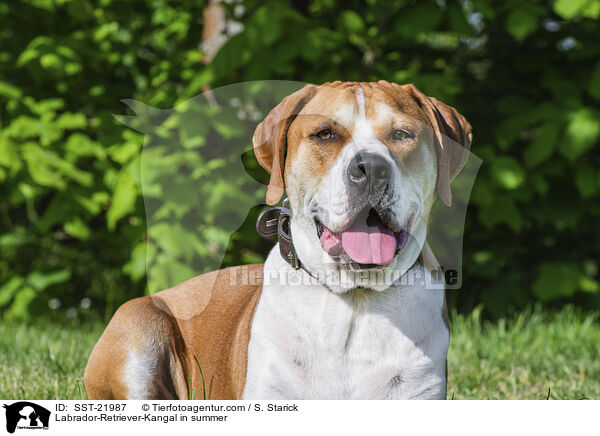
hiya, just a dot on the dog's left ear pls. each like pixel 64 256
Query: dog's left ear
pixel 450 128
pixel 270 139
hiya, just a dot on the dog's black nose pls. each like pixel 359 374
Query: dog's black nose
pixel 368 172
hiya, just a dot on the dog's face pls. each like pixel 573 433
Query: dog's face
pixel 362 163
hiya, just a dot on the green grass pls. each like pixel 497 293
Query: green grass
pixel 531 356
pixel 44 361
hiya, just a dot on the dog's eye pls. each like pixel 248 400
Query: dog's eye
pixel 324 135
pixel 399 135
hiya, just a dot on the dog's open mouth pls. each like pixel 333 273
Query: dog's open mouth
pixel 368 241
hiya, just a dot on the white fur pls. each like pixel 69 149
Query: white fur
pixel 139 373
pixel 309 343
pixel 355 338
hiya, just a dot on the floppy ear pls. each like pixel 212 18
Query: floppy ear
pixel 450 128
pixel 270 139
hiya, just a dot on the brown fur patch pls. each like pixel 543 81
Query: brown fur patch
pixel 172 328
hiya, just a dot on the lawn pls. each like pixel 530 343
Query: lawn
pixel 531 356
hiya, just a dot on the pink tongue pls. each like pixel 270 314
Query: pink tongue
pixel 365 244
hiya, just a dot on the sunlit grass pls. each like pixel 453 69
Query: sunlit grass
pixel 44 361
pixel 532 356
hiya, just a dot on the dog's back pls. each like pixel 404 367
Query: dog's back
pixel 153 348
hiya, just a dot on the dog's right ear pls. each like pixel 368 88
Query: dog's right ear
pixel 270 139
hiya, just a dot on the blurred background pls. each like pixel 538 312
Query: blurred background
pixel 73 234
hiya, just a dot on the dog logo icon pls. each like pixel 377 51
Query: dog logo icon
pixel 26 415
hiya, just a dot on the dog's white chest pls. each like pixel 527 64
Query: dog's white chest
pixel 307 342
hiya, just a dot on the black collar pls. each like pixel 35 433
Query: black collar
pixel 276 221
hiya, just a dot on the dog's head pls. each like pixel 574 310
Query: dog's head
pixel 361 164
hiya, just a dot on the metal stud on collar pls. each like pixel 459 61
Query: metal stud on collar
pixel 276 221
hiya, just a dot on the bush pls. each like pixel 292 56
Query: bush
pixel 525 74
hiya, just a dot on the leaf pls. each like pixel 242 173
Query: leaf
pixel 123 200
pixel 234 53
pixel 592 10
pixel 136 267
pixel 70 120
pixel 78 229
pixel 352 21
pixel 543 145
pixel 39 169
pixel 127 148
pixel 167 272
pixel 42 280
pixel 24 127
pixel 558 279
pixel 175 240
pixel 507 172
pixel 46 168
pixel 44 108
pixel 8 153
pixel 582 134
pixel 9 91
pixel 522 22
pixel 19 309
pixel 51 61
pixel 587 284
pixel 571 8
pixel 82 145
pixel 15 239
pixel 9 289
pixel 586 180
pixel 501 211
pixel 59 210
pixel 33 51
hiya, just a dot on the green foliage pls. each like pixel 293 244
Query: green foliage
pixel 72 221
pixel 70 199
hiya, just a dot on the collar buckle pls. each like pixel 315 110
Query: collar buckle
pixel 276 221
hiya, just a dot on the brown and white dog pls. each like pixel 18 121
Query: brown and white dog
pixel 361 164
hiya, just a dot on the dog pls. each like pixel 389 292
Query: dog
pixel 329 314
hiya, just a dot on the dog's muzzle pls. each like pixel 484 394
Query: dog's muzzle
pixel 369 239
